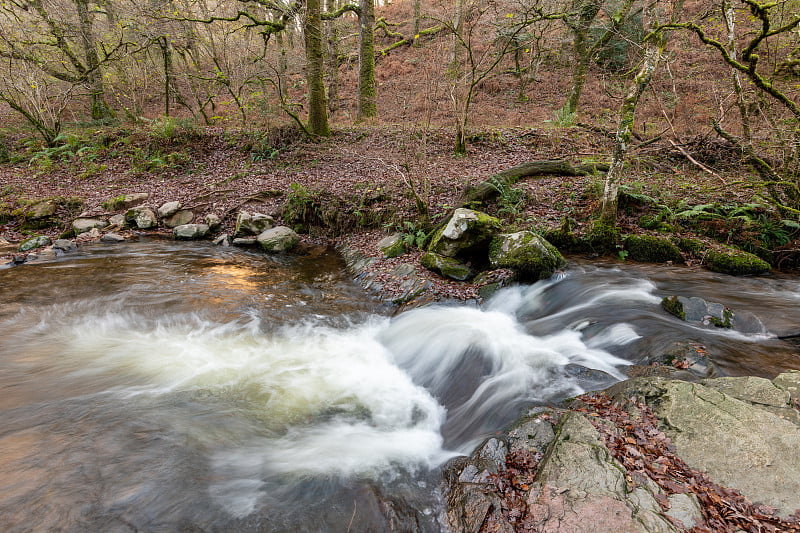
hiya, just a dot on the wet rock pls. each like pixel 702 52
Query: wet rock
pixel 252 224
pixel 213 221
pixel 279 239
pixel 392 246
pixel 223 240
pixel 698 310
pixel 244 241
pixel 652 249
pixel 403 269
pixel 179 218
pixel 168 209
pixel 190 231
pixel 82 225
pixel 112 238
pixel 65 245
pixel 589 379
pixel 36 241
pixel 447 267
pixel 142 217
pixel 527 254
pixel 735 262
pixel 467 233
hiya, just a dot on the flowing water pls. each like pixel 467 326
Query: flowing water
pixel 162 386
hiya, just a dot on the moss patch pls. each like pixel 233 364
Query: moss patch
pixel 651 249
pixel 530 256
pixel 602 237
pixel 446 266
pixel 673 306
pixel 735 262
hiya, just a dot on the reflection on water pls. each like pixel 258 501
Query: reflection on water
pixel 168 386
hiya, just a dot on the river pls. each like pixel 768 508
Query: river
pixel 164 386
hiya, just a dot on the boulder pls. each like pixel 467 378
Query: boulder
pixel 82 225
pixel 735 262
pixel 223 240
pixel 244 241
pixel 652 249
pixel 142 217
pixel 447 267
pixel 278 239
pixel 168 209
pixel 392 246
pixel 42 209
pixel 117 220
pixel 190 231
pixel 213 221
pixel 697 310
pixel 112 238
pixel 126 201
pixel 467 233
pixel 252 224
pixel 179 218
pixel 36 241
pixel 529 255
pixel 65 245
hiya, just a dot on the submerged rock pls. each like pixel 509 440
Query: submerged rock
pixel 697 310
pixel 529 255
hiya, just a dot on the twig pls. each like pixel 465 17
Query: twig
pixel 696 162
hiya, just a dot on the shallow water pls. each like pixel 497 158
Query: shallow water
pixel 162 386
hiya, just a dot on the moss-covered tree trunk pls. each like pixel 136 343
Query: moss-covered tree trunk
pixel 94 78
pixel 367 106
pixel 332 59
pixel 315 80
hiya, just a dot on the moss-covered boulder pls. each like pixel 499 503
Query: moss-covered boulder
pixel 603 237
pixel 735 262
pixel 447 267
pixel 36 241
pixel 651 249
pixel 278 239
pixel 392 246
pixel 529 255
pixel 467 233
pixel 141 217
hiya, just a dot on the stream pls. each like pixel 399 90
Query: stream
pixel 166 386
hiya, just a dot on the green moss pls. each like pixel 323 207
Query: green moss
pixel 446 266
pixel 530 256
pixel 651 249
pixel 34 242
pixel 726 321
pixel 114 204
pixel 735 262
pixel 602 237
pixel 673 306
pixel 689 245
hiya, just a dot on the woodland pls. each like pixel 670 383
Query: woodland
pixel 666 116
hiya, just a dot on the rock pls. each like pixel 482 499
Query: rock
pixel 126 201
pixel 652 249
pixel 735 262
pixel 279 239
pixel 447 267
pixel 687 356
pixel 179 218
pixel 392 246
pixel 255 224
pixel 112 238
pixel 686 508
pixel 36 241
pixel 748 447
pixel 65 245
pixel 223 240
pixel 245 241
pixel 44 254
pixel 43 209
pixel 190 231
pixel 82 225
pixel 168 209
pixel 117 220
pixel 403 269
pixel 213 221
pixel 693 309
pixel 527 254
pixel 142 217
pixel 582 488
pixel 467 233
pixel 790 382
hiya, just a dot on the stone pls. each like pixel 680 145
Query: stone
pixel 36 241
pixel 112 238
pixel 255 224
pixel 278 239
pixel 447 267
pixel 190 231
pixel 403 269
pixel 245 241
pixel 43 209
pixel 82 225
pixel 529 255
pixel 142 217
pixel 467 233
pixel 44 254
pixel 168 209
pixel 697 310
pixel 686 508
pixel 223 240
pixel 392 246
pixel 652 249
pixel 735 262
pixel 179 218
pixel 213 221
pixel 65 245
pixel 117 220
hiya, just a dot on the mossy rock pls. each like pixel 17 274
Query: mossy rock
pixel 36 241
pixel 466 234
pixel 690 245
pixel 735 262
pixel 603 237
pixel 529 255
pixel 652 249
pixel 446 266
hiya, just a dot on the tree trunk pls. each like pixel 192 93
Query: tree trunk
pixel 587 13
pixel 94 79
pixel 454 67
pixel 166 52
pixel 730 24
pixel 367 107
pixel 332 58
pixel 317 106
